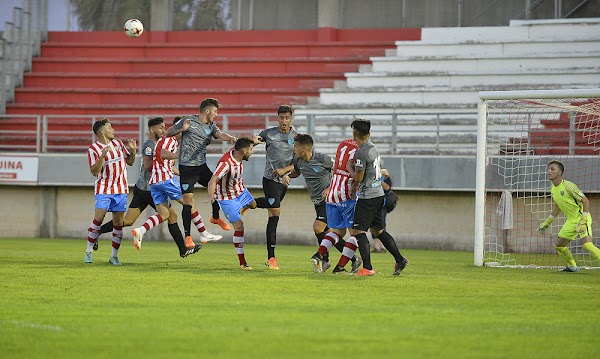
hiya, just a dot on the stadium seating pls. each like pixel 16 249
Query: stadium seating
pixel 106 73
pixel 443 72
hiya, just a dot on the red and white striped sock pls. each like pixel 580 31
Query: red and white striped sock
pixel 93 234
pixel 150 223
pixel 348 251
pixel 328 241
pixel 238 242
pixel 117 235
pixel 198 222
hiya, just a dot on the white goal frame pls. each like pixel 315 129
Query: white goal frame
pixel 482 159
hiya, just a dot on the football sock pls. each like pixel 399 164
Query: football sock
pixel 106 227
pixel 198 222
pixel 262 202
pixel 594 251
pixel 177 236
pixel 388 242
pixel 272 236
pixel 567 256
pixel 348 252
pixel 117 235
pixel 363 247
pixel 186 216
pixel 150 223
pixel 327 243
pixel 320 237
pixel 215 210
pixel 238 242
pixel 93 233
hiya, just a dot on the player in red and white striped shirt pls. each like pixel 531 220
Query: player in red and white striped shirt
pixel 227 187
pixel 107 159
pixel 340 210
pixel 164 187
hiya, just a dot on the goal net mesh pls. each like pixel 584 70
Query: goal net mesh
pixel 523 135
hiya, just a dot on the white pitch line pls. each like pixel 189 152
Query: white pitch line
pixel 34 325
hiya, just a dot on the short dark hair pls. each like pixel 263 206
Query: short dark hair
pixel 243 142
pixel 99 124
pixel 362 126
pixel 304 139
pixel 560 165
pixel 285 109
pixel 177 118
pixel 209 102
pixel 155 121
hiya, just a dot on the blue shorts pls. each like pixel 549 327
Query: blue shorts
pixel 165 190
pixel 340 215
pixel 232 207
pixel 112 202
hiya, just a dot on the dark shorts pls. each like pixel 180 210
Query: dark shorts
pixel 367 214
pixel 274 192
pixel 190 175
pixel 321 211
pixel 141 199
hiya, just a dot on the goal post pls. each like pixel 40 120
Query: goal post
pixel 518 133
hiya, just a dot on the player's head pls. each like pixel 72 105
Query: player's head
pixel 303 144
pixel 285 114
pixel 209 107
pixel 245 146
pixel 175 120
pixel 103 128
pixel 361 129
pixel 156 127
pixel 555 169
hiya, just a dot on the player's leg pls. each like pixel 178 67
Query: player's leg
pixel 364 213
pixel 205 236
pixel 205 176
pixel 160 196
pixel 378 247
pixel 567 234
pixel 117 207
pixel 188 176
pixel 102 203
pixel 274 194
pixel 232 210
pixel 586 239
pixel 378 232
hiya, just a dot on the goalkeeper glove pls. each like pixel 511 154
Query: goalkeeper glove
pixel 581 227
pixel 545 224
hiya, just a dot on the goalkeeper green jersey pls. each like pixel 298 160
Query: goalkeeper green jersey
pixel 567 197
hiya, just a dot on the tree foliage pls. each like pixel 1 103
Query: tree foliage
pixel 110 15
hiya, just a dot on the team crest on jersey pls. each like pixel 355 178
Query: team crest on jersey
pixel 271 200
pixel 562 193
pixel 185 186
pixel 207 131
pixel 316 168
pixel 290 141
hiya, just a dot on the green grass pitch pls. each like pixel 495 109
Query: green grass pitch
pixel 157 305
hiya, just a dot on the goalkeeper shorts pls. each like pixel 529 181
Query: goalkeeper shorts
pixel 569 229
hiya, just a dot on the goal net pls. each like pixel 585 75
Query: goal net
pixel 519 132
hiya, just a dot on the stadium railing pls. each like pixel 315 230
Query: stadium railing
pixel 423 133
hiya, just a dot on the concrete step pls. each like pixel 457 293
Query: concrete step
pixel 198 65
pixel 589 77
pixel 421 96
pixel 493 49
pixel 130 109
pixel 180 80
pixel 486 66
pixel 223 50
pixel 160 96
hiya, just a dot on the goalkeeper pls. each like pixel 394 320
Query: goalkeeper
pixel 574 204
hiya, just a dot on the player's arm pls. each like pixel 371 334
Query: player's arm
pixel 226 137
pixel 258 140
pixel 555 212
pixel 132 148
pixel 96 168
pixel 147 162
pixel 168 155
pixel 212 186
pixel 287 169
pixel 179 127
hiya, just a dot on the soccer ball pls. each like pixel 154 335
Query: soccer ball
pixel 133 28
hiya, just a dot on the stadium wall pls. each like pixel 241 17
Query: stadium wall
pixel 432 190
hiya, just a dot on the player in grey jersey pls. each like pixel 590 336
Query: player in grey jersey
pixel 197 132
pixel 316 169
pixel 141 191
pixel 279 152
pixel 366 172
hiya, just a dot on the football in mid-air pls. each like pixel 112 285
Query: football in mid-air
pixel 133 28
